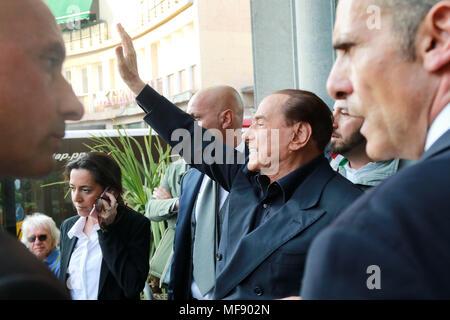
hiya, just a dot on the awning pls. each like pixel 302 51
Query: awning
pixel 70 10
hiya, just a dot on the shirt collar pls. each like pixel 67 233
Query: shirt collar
pixel 52 256
pixel 78 227
pixel 241 147
pixel 289 183
pixel 440 126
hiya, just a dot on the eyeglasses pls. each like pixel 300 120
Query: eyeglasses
pixel 41 238
pixel 98 204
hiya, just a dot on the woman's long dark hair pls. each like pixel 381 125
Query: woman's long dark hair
pixel 104 169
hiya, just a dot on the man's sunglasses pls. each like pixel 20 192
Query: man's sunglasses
pixel 41 238
pixel 98 204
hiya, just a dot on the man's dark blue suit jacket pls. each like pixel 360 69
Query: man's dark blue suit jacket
pixel 402 227
pixel 181 271
pixel 267 262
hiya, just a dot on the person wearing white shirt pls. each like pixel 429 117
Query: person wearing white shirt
pixel 105 248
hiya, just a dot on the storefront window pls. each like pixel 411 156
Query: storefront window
pixel 48 195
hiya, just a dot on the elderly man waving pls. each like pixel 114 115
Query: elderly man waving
pixel 280 196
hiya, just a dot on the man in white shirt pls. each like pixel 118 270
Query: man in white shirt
pixel 394 241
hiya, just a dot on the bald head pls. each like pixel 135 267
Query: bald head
pixel 214 101
pixel 218 108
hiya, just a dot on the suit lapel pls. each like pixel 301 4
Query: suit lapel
pixel 240 211
pixel 440 145
pixel 264 241
pixel 295 216
pixel 182 244
pixel 103 275
pixel 70 245
pixel 192 184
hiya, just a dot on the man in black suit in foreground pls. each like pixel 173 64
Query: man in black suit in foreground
pixel 393 69
pixel 35 101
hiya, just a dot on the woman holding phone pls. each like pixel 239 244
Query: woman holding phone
pixel 105 248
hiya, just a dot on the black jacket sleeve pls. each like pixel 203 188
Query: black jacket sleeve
pixel 199 148
pixel 126 249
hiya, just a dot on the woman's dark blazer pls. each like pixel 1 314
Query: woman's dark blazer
pixel 126 249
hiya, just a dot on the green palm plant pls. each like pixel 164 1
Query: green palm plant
pixel 141 173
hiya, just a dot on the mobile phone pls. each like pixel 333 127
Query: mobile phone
pixel 98 204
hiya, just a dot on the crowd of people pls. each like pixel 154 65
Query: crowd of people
pixel 258 215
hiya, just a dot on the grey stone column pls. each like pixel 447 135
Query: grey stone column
pixel 315 54
pixel 292 45
pixel 274 49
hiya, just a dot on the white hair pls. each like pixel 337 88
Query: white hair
pixel 39 220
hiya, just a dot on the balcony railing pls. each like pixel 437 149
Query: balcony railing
pixel 152 14
pixel 85 38
pixel 155 11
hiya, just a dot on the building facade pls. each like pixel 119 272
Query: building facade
pixel 181 46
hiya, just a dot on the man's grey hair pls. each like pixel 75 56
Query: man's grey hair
pixel 39 220
pixel 407 15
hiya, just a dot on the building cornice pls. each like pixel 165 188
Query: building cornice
pixel 109 44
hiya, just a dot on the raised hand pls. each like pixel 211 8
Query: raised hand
pixel 127 62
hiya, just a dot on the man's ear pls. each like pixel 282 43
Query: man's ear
pixel 434 36
pixel 226 119
pixel 300 136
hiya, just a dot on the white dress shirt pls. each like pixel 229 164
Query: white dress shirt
pixel 85 263
pixel 440 126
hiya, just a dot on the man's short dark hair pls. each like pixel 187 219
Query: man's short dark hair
pixel 407 15
pixel 307 107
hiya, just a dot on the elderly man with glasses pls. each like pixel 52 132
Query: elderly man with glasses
pixel 41 236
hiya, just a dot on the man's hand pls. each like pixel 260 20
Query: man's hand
pixel 162 193
pixel 127 62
